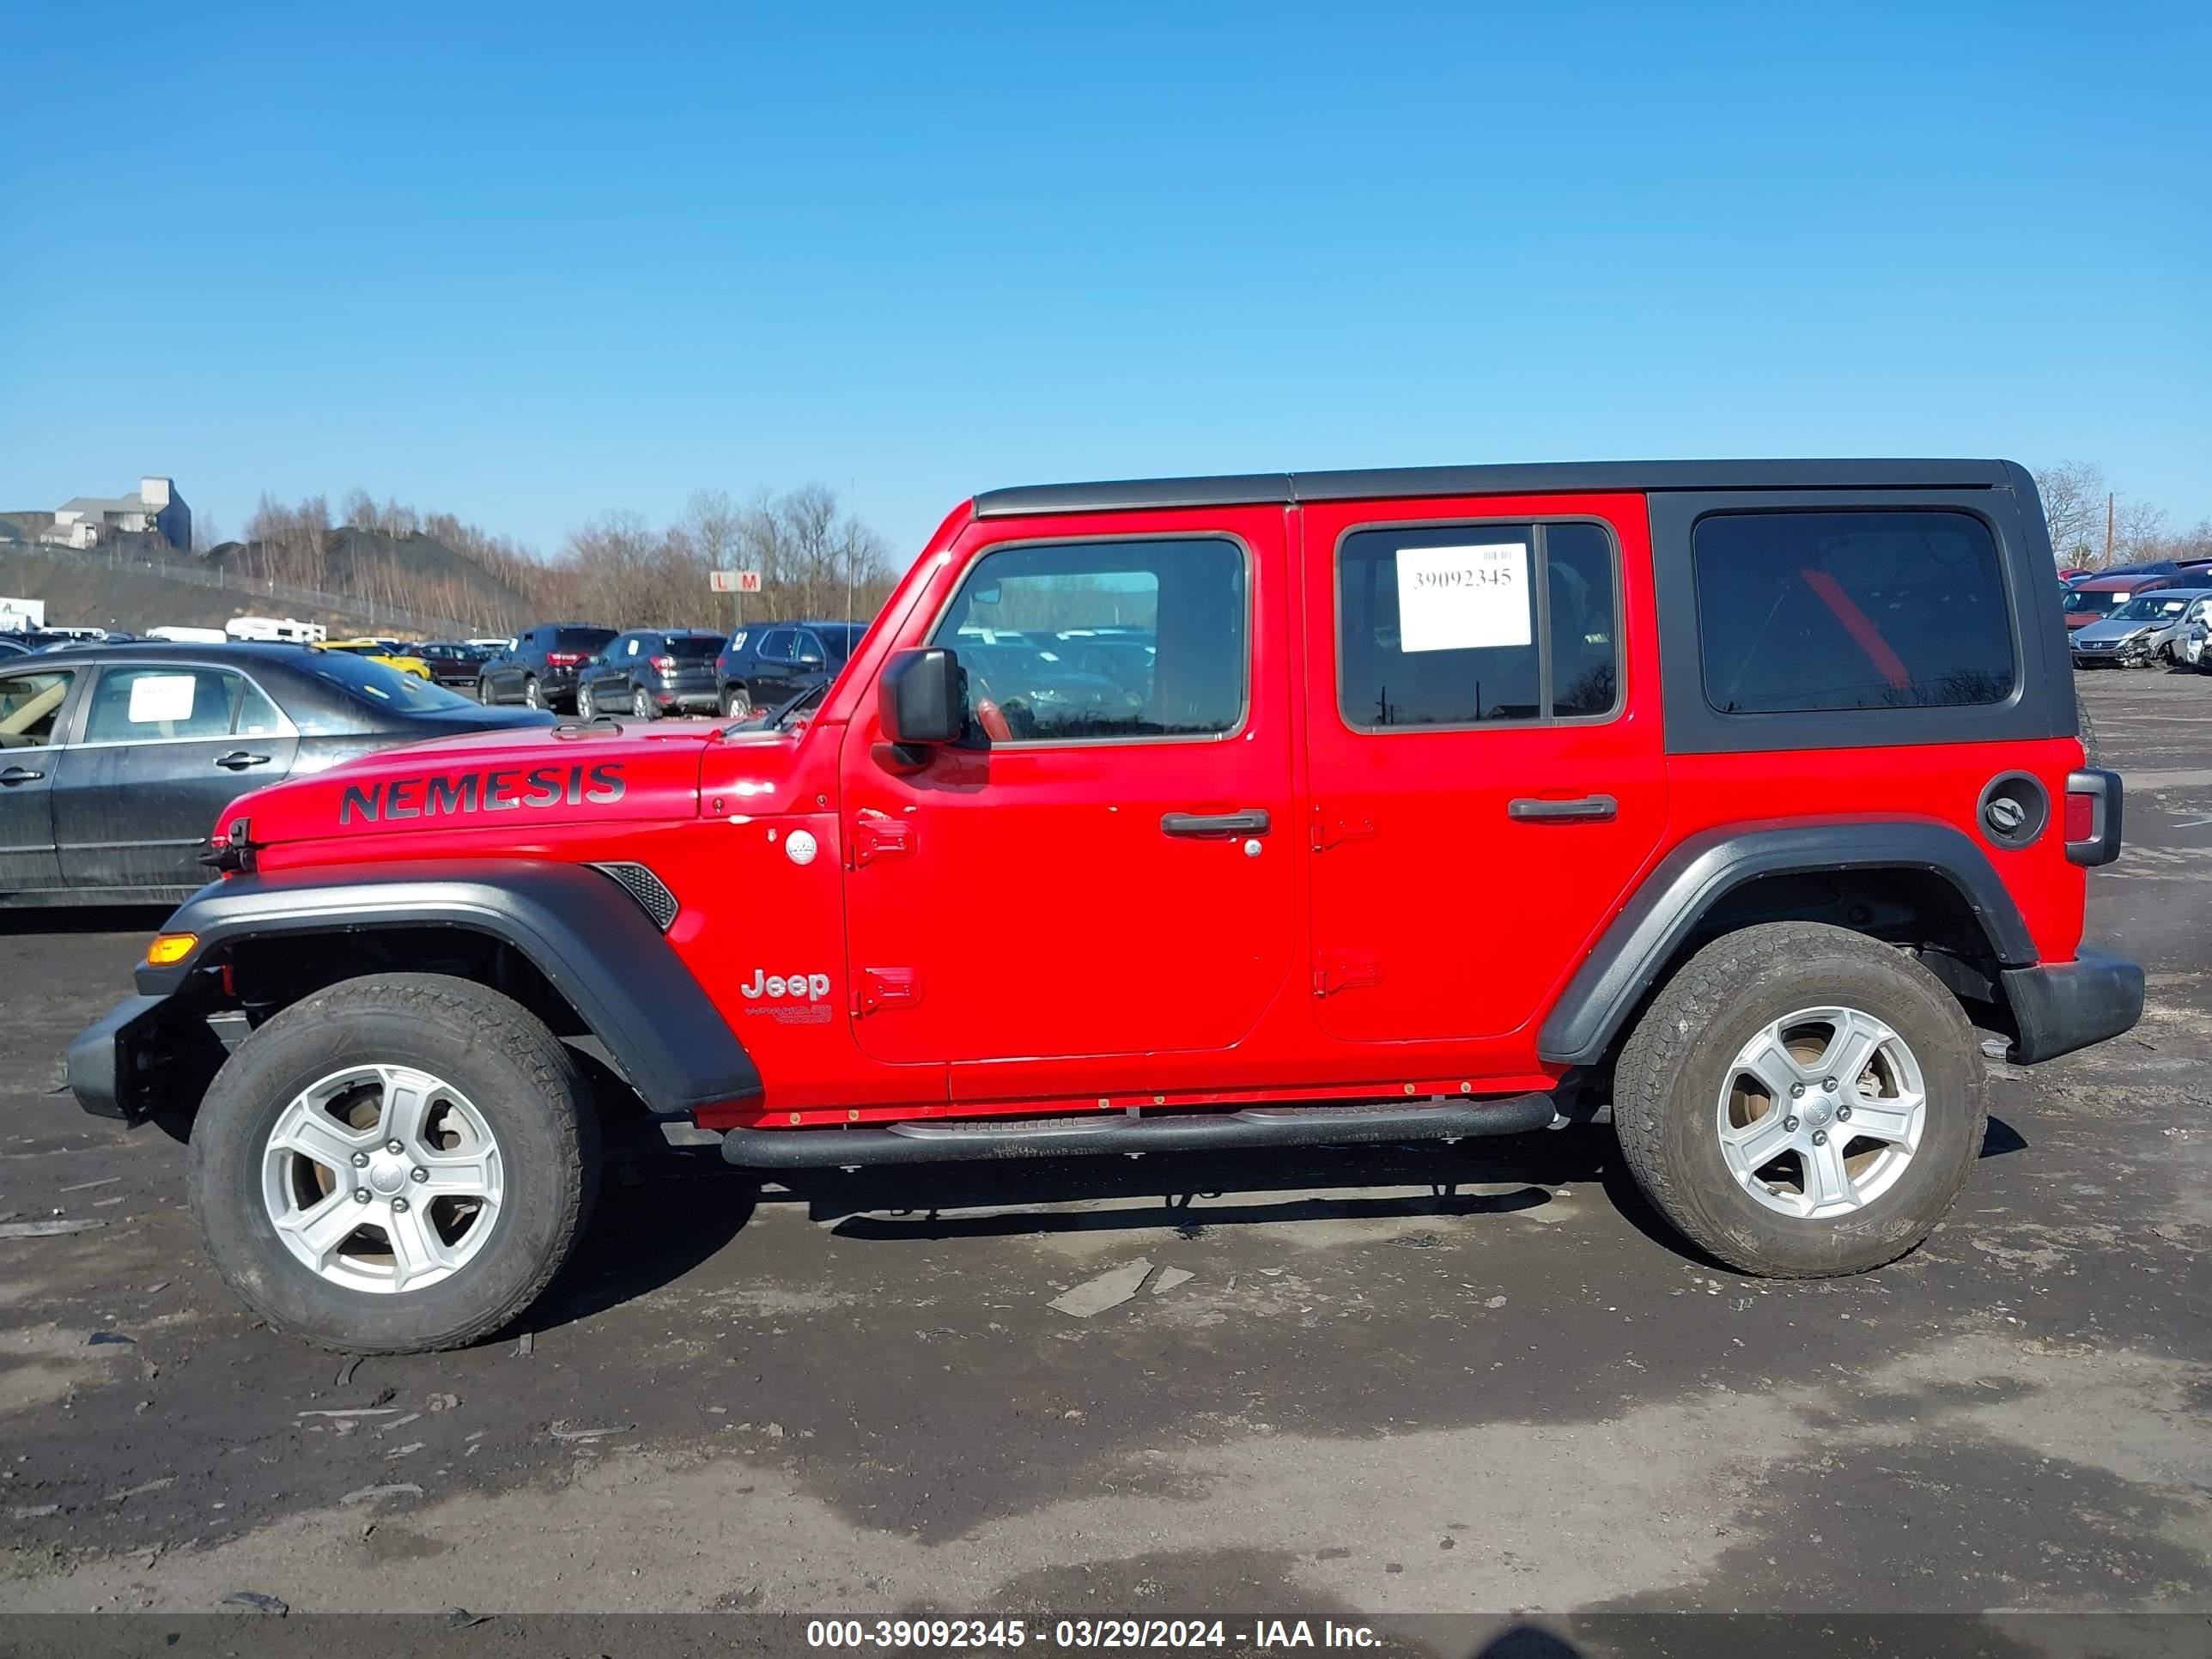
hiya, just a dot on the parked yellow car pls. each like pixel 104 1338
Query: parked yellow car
pixel 390 653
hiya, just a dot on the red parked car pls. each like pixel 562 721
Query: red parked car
pixel 2098 597
pixel 1433 804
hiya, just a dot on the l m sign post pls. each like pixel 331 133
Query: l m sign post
pixel 735 583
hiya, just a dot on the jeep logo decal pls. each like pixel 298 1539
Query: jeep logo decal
pixel 497 789
pixel 770 986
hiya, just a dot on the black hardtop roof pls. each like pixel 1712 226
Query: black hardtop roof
pixel 1544 478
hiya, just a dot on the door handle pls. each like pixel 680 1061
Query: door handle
pixel 237 760
pixel 1530 810
pixel 19 774
pixel 1214 823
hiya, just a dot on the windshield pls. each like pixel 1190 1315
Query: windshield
pixel 2092 600
pixel 387 689
pixel 2152 607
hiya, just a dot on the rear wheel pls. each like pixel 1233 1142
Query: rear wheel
pixel 737 702
pixel 640 704
pixel 531 696
pixel 584 701
pixel 397 1164
pixel 1802 1101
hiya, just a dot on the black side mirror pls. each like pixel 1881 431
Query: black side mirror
pixel 920 700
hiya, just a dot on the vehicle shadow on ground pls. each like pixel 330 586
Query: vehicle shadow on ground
pixel 663 1211
pixel 94 919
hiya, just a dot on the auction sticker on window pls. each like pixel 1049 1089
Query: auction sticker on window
pixel 162 697
pixel 1463 598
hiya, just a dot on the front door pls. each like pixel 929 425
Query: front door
pixel 163 749
pixel 31 707
pixel 1096 887
pixel 1486 771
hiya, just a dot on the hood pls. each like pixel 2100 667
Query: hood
pixel 2111 628
pixel 517 780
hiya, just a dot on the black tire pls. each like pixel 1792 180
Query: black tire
pixel 584 701
pixel 483 690
pixel 1668 1081
pixel 737 702
pixel 520 1079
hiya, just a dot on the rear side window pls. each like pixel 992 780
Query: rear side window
pixel 1805 611
pixel 1471 624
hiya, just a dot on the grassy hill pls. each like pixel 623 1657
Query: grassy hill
pixel 83 593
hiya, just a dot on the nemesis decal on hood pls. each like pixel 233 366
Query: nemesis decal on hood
pixel 490 789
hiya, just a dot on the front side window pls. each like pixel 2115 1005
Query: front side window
pixel 29 704
pixel 154 704
pixel 1468 624
pixel 1805 610
pixel 775 645
pixel 1184 603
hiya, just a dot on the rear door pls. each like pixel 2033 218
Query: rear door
pixel 32 704
pixel 768 676
pixel 1486 764
pixel 163 748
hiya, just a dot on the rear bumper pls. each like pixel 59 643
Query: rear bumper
pixel 2060 1006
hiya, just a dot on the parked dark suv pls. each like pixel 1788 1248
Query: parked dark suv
pixel 649 673
pixel 761 668
pixel 539 669
pixel 453 663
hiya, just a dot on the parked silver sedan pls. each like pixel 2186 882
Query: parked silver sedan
pixel 2150 628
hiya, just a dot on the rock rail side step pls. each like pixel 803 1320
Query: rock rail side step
pixel 942 1140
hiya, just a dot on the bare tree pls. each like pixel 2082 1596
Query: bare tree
pixel 2073 506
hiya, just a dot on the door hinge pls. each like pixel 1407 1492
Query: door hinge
pixel 1332 831
pixel 879 836
pixel 886 987
pixel 1341 970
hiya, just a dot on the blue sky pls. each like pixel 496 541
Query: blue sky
pixel 528 263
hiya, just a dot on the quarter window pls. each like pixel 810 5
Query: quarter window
pixel 1805 611
pixel 1468 624
pixel 1027 622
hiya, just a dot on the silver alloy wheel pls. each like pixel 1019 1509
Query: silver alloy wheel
pixel 638 705
pixel 382 1178
pixel 530 693
pixel 1821 1111
pixel 584 701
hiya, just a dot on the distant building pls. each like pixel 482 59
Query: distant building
pixel 156 509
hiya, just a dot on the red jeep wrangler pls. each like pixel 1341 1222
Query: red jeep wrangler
pixel 1205 813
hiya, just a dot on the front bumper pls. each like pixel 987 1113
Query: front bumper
pixel 145 1054
pixel 2060 1006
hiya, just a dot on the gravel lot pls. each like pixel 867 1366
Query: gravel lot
pixel 1472 1378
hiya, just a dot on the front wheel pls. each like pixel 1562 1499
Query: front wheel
pixel 483 690
pixel 737 702
pixel 1802 1101
pixel 397 1164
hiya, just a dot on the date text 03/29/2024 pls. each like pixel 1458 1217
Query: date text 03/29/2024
pixel 890 1635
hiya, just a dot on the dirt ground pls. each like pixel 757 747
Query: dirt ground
pixel 1483 1377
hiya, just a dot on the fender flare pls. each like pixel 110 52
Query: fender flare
pixel 1667 908
pixel 578 925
